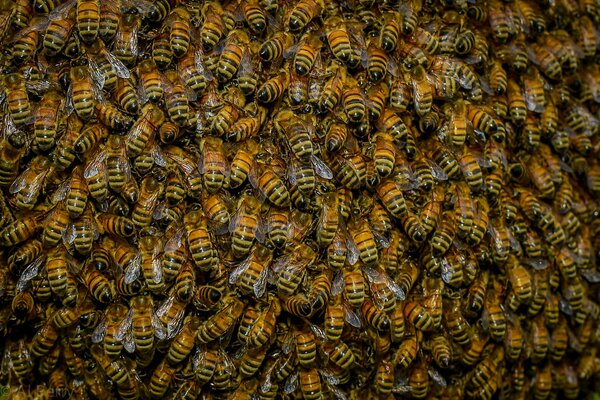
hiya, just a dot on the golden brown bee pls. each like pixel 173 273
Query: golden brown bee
pixel 231 55
pixel 213 164
pixel 303 12
pixel 19 106
pixel 27 186
pixel 144 129
pixel 83 91
pixel 125 46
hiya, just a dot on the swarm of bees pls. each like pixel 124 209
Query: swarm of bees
pixel 263 199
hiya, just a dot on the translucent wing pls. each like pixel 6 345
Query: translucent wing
pixel 321 168
pixel 120 69
pixel 125 326
pixel 437 378
pixel 133 270
pixel 375 276
pixel 95 166
pixel 30 272
pixel 291 384
pixel 337 286
pixel 260 286
pixel 100 331
pixel 352 317
pixel 239 270
pixel 353 252
pixel 160 331
pixel 97 75
pixel 129 342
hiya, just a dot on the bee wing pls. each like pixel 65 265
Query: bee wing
pixel 124 326
pixel 129 342
pixel 176 241
pixel 352 317
pixel 142 95
pixel 160 331
pixel 337 285
pixel 19 183
pixel 133 270
pixel 239 270
pixel 157 272
pixel 375 276
pixel 318 331
pixel 321 168
pixel 30 272
pixel 100 331
pixel 120 69
pixel 291 384
pixel 96 73
pixel 96 166
pixel 61 192
pixel 260 286
pixel 437 377
pixel 174 326
pixel 157 156
pixel 353 252
pixel 185 165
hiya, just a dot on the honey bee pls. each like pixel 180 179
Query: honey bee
pixel 290 269
pixel 83 91
pixel 251 274
pixel 232 54
pixel 303 12
pixel 244 225
pixel 213 164
pixel 27 186
pixel 221 322
pixel 307 53
pixel 17 100
pixel 125 46
pixel 143 209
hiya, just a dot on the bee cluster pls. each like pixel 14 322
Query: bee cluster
pixel 299 199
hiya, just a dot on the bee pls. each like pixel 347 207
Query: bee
pixel 88 19
pixel 270 185
pixel 27 186
pixel 19 230
pixel 303 12
pixel 306 54
pixel 445 160
pixel 244 225
pixel 179 38
pixel 221 322
pixel 338 38
pixel 91 135
pixel 26 42
pixel 200 240
pixel 17 100
pixel 471 170
pixel 143 210
pixel 290 270
pixel 176 99
pixel 82 232
pixel 274 47
pixel 213 27
pixel 144 130
pixel 232 54
pixel 83 91
pixel 272 89
pixel 125 45
pixel 152 81
pixel 187 166
pixel 48 120
pixel 586 37
pixel 481 120
pixel 22 14
pixel 59 30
